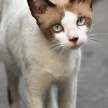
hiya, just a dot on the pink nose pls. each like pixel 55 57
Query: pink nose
pixel 74 39
pixel 73 36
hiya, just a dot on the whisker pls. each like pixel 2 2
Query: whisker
pixel 96 43
pixel 101 41
pixel 99 47
pixel 97 34
pixel 60 53
pixel 90 45
pixel 55 49
pixel 96 23
pixel 57 44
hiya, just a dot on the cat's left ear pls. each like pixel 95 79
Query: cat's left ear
pixel 89 2
pixel 39 7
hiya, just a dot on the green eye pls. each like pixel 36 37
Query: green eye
pixel 81 21
pixel 57 27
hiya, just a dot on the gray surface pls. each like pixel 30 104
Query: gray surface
pixel 93 76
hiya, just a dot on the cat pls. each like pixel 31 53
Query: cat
pixel 41 40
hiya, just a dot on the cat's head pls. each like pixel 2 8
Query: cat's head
pixel 65 22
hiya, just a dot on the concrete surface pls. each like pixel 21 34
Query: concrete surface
pixel 93 76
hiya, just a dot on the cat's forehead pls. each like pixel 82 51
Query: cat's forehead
pixel 56 14
pixel 73 6
pixel 59 2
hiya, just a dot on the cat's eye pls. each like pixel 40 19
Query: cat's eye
pixel 57 28
pixel 81 21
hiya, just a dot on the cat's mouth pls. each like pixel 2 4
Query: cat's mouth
pixel 76 45
pixel 72 47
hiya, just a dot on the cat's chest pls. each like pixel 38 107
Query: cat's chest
pixel 60 67
pixel 51 63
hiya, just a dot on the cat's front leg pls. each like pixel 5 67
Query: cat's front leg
pixel 51 98
pixel 67 90
pixel 35 89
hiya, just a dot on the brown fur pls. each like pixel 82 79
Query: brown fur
pixel 77 9
pixel 53 15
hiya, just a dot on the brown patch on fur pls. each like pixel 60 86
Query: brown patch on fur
pixel 38 7
pixel 9 97
pixel 89 2
pixel 82 10
pixel 60 2
pixel 53 15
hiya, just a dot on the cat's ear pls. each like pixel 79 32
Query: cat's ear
pixel 39 7
pixel 89 2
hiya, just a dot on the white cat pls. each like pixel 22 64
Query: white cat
pixel 47 53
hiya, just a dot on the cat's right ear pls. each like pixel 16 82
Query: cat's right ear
pixel 89 2
pixel 39 7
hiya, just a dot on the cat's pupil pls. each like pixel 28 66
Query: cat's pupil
pixel 57 27
pixel 81 21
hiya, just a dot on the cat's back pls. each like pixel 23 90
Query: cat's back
pixel 12 8
pixel 15 16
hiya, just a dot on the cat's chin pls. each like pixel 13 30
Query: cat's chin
pixel 75 47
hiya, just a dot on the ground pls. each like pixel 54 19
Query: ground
pixel 93 75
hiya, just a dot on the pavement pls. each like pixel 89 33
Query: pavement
pixel 93 75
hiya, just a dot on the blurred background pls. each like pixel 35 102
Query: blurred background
pixel 93 75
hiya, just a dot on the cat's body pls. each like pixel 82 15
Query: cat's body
pixel 25 48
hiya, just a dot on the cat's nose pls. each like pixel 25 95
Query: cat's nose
pixel 74 39
pixel 73 36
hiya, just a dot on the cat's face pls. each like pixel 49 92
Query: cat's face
pixel 65 22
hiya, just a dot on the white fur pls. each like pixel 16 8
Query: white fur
pixel 69 23
pixel 25 50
